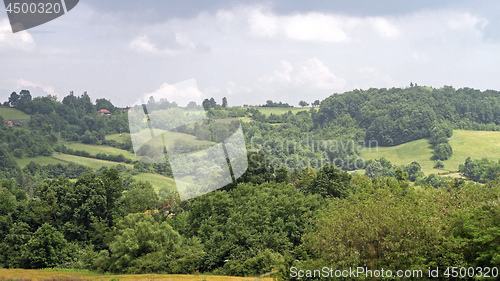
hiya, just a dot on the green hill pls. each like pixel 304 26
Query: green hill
pixel 474 144
pixel 13 114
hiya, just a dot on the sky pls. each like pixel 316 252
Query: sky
pixel 252 51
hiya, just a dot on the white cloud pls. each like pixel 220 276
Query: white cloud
pixel 143 44
pixel 182 93
pixel 262 25
pixel 383 27
pixel 316 27
pixel 312 74
pixel 23 84
pixel 14 41
pixel 182 44
pixel 315 73
pixel 370 77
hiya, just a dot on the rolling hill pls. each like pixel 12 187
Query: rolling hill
pixel 474 144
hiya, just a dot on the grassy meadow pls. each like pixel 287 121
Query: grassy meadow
pixel 476 144
pixel 13 114
pixel 157 181
pixel 42 160
pixel 281 110
pixel 95 149
pixel 89 162
pixel 51 274
pixel 170 138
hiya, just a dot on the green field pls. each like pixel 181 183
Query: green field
pixel 13 114
pixel 89 162
pixel 169 139
pixel 42 160
pixel 280 110
pixel 95 149
pixel 59 158
pixel 157 181
pixel 54 274
pixel 476 144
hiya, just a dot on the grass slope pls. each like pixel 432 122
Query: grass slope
pixel 31 274
pixel 476 144
pixel 42 160
pixel 95 149
pixel 13 114
pixel 170 138
pixel 89 162
pixel 280 110
pixel 157 181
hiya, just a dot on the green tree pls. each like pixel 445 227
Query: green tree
pixel 303 103
pixel 224 102
pixel 374 169
pixel 139 198
pixel 330 182
pixel 46 248
pixel 142 245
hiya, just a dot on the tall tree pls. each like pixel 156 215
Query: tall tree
pixel 303 103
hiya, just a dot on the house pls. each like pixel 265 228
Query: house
pixel 9 123
pixel 104 112
pixel 129 109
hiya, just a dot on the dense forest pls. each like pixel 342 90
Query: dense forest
pixel 288 210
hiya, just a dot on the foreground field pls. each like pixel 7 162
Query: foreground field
pixel 29 274
pixel 474 144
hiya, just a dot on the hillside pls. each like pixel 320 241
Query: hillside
pixel 13 114
pixel 465 143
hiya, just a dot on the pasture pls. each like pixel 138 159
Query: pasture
pixel 474 144
pixel 13 114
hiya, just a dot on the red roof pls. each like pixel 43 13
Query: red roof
pixel 104 111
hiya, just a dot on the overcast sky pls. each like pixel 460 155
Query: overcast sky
pixel 253 51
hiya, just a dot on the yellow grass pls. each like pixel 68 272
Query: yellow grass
pixel 32 274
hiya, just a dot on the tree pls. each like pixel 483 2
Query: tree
pixel 142 245
pixel 46 248
pixel 213 103
pixel 206 104
pixel 442 151
pixel 303 103
pixel 438 164
pixel 224 102
pixel 414 171
pixel 14 97
pixel 374 169
pixel 316 103
pixel 330 182
pixel 139 198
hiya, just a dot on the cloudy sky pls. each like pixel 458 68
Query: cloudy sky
pixel 253 51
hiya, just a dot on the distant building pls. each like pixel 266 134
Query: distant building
pixel 9 123
pixel 104 112
pixel 129 109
